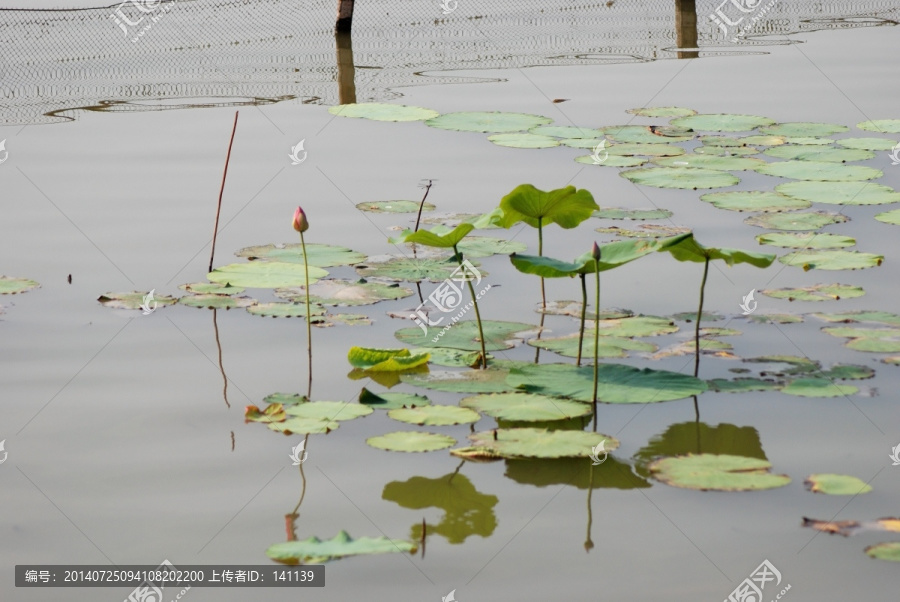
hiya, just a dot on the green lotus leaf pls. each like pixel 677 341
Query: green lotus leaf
pixel 632 214
pixel 394 206
pixel 612 161
pixel 265 274
pixel 434 415
pixel 523 140
pixel 806 240
pixel 802 365
pixel 688 249
pixel 319 255
pixel 645 134
pixel 742 385
pixel 14 286
pixel 390 401
pixel 635 326
pixel 817 387
pixel 875 345
pixel 868 333
pixel 622 149
pixel 803 128
pixel 809 152
pixel 680 177
pixel 329 320
pixel 646 231
pixel 689 347
pixel 285 399
pixel 438 237
pixel 888 550
pixel 534 443
pixel 217 301
pixel 775 318
pixel 132 300
pixel 796 221
pixel 848 372
pixel 304 426
pixel 872 144
pixel 762 140
pixel 808 141
pixel 690 316
pixel 566 131
pixel 831 260
pixel 411 441
pixel 385 360
pixel 618 383
pixel 316 551
pixel 754 200
pixel 454 358
pixel 819 292
pixel 882 317
pixel 722 122
pixel 885 126
pixel 284 310
pixel 716 472
pixel 470 381
pixel 889 217
pixel 464 335
pixel 662 112
pixel 379 111
pixel 820 171
pixel 411 269
pixel 329 410
pixel 840 193
pixel 525 407
pixel 609 346
pixel 211 288
pixel 485 246
pixel 485 122
pixel 573 309
pixel 337 292
pixel 726 151
pixel 566 207
pixel 711 162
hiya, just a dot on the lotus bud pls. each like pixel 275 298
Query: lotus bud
pixel 300 222
pixel 595 252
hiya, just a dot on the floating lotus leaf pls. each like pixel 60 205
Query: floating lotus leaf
pixel 274 412
pixel 566 131
pixel 487 122
pixel 464 335
pixel 808 152
pixel 722 122
pixel 711 162
pixel 808 141
pixel 336 292
pixel 609 347
pixel 319 255
pixel 888 550
pixel 211 288
pixel 851 527
pixel 643 134
pixel 379 111
pixel 690 316
pixel 635 326
pixel 217 301
pixel 283 310
pixel 802 365
pixel 848 372
pixel 882 317
pixel 726 151
pixel 411 269
pixel 764 140
pixel 385 360
pixel 265 274
pixel 454 358
pixel 132 300
pixel 876 340
pixel 633 214
pixel 662 112
pixel 524 140
pixel 411 441
pixel 885 126
pixel 806 240
pixel 285 399
pixel 680 177
pixel 717 331
pixel 394 206
pixel 612 161
pixel 451 220
pixel 819 292
pixel 831 260
pixel 742 385
pixel 434 415
pixel 817 387
pixel 722 141
pixel 390 401
pixel 717 472
pixel 330 320
pixel 316 551
pixel 841 193
pixel 689 347
pixel 754 200
pixel 775 318
pixel 646 231
pixel 626 149
pixel 836 484
pixel 819 171
pixel 895 359
pixel 889 217
pixel 304 426
pixel 797 221
pixel 13 286
pixel 471 381
pixel 573 309
pixel 329 410
pixel 525 407
pixel 872 144
pixel 618 383
pixel 534 443
pixel 485 246
pixel 803 128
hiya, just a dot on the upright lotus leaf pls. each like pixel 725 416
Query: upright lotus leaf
pixel 567 207
pixel 385 360
pixel 717 472
pixel 446 240
pixel 12 286
pixel 265 274
pixel 533 443
pixel 836 484
pixel 317 551
pixel 818 292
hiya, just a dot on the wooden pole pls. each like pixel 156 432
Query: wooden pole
pixel 344 16
pixel 686 28
pixel 346 72
pixel 212 252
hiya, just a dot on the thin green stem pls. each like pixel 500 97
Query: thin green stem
pixel 541 253
pixel 583 314
pixel 308 318
pixel 596 334
pixel 697 325
pixel 422 204
pixel 477 313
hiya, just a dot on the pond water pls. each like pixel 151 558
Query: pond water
pixel 125 433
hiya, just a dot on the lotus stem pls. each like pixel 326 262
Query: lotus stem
pixel 308 317
pixel 583 314
pixel 541 253
pixel 596 333
pixel 212 252
pixel 422 205
pixel 477 312
pixel 697 325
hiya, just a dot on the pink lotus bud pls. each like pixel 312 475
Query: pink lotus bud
pixel 595 252
pixel 300 222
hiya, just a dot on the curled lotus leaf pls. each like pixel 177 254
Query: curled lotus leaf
pixel 385 360
pixel 818 292
pixel 716 472
pixel 379 111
